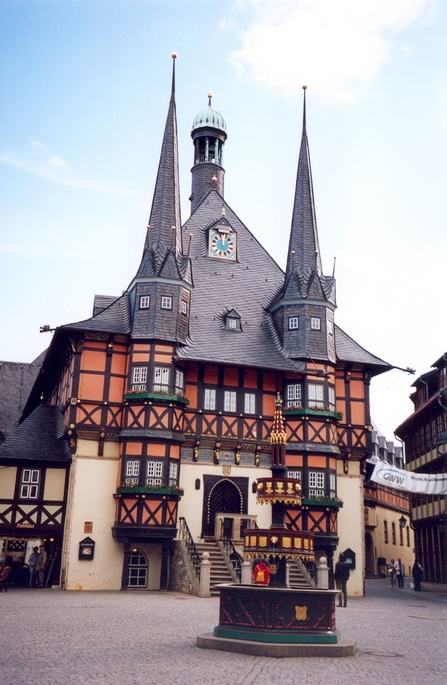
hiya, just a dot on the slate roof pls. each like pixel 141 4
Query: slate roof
pixel 40 437
pixel 248 287
pixel 351 352
pixel 115 318
pixel 16 381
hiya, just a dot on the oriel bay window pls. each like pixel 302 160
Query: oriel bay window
pixel 132 472
pixel 161 379
pixel 316 484
pixel 293 395
pixel 315 396
pixel 179 382
pixel 154 473
pixel 139 378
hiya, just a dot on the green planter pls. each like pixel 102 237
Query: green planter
pixel 162 397
pixel 148 490
pixel 314 412
pixel 323 502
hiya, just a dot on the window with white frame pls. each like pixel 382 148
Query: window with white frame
pixel 333 485
pixel 166 302
pixel 293 323
pixel 209 400
pixel 145 301
pixel 232 323
pixel 183 307
pixel 315 323
pixel 154 473
pixel 29 484
pixel 139 377
pixel 250 403
pixel 173 473
pixel 293 394
pixel 316 483
pixel 294 474
pixel 161 379
pixel 179 381
pixel 229 400
pixel 315 395
pixel 331 398
pixel 132 475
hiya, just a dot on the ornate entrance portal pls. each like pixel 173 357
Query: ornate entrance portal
pixel 222 495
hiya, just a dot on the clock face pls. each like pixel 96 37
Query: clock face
pixel 222 245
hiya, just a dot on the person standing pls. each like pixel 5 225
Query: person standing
pixel 392 572
pixel 417 572
pixel 341 577
pixel 32 566
pixel 400 573
pixel 41 563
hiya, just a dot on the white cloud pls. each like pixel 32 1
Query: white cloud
pixel 335 47
pixel 42 162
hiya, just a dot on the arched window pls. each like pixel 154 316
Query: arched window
pixel 137 568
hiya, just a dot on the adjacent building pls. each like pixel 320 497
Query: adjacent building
pixel 154 415
pixel 388 532
pixel 424 433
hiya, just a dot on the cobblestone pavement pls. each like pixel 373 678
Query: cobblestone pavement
pixel 112 638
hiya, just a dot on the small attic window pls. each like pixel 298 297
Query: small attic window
pixel 315 323
pixel 233 321
pixel 145 302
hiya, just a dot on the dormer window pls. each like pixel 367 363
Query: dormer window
pixel 315 323
pixel 293 323
pixel 233 321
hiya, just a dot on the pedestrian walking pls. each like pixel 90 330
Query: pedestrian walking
pixel 341 577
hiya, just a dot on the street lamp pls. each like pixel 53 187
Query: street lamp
pixel 402 522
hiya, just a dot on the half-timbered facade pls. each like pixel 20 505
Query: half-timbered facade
pixel 424 433
pixel 167 393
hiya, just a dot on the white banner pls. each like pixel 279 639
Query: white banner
pixel 424 483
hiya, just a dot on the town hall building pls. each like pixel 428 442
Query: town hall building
pixel 149 423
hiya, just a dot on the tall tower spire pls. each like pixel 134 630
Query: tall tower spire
pixel 165 212
pixel 304 250
pixel 164 273
pixel 303 313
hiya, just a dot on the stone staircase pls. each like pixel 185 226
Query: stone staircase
pixel 220 572
pixel 297 579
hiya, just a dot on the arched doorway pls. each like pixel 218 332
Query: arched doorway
pixel 222 496
pixel 138 568
pixel 370 568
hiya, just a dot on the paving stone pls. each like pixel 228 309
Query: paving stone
pixel 131 638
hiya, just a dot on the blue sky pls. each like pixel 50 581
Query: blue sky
pixel 84 90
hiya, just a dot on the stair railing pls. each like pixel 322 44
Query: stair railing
pixel 232 554
pixel 309 570
pixel 187 539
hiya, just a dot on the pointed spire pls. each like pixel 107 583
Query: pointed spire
pixel 165 211
pixel 304 250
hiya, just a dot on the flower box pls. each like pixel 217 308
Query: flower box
pixel 321 502
pixel 323 413
pixel 149 490
pixel 163 397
